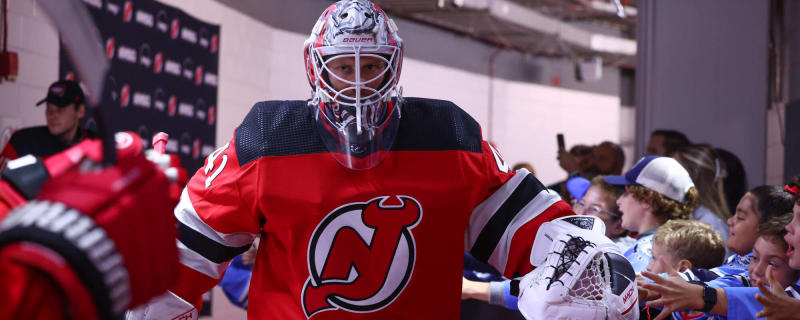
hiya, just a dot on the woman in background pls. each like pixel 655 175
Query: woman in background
pixel 701 162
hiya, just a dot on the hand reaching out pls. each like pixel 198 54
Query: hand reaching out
pixel 675 293
pixel 644 294
pixel 777 304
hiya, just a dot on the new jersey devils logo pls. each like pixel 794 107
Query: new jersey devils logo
pixel 361 255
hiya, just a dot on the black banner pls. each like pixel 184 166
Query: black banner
pixel 163 75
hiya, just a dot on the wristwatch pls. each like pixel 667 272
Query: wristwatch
pixel 709 296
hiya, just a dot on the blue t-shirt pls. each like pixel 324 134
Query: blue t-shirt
pixel 641 252
pixel 236 282
pixel 742 303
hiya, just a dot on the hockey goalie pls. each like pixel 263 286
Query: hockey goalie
pixel 364 200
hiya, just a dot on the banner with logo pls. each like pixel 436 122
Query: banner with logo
pixel 163 74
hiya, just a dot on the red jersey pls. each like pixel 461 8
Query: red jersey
pixel 383 243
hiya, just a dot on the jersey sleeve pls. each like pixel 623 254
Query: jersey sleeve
pixel 217 220
pixel 742 303
pixel 502 227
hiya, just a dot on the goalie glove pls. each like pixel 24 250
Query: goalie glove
pixel 582 276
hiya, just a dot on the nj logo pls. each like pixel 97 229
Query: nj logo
pixel 361 255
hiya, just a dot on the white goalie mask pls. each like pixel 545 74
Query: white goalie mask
pixel 353 60
pixel 582 275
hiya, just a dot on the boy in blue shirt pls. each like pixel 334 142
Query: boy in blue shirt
pixel 657 189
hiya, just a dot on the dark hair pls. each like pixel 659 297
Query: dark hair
pixel 771 202
pixel 673 139
pixel 776 226
pixel 734 177
pixel 795 182
pixel 701 162
pixel 524 165
pixel 580 150
pixel 774 229
pixel 619 156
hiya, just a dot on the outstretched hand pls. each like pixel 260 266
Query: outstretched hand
pixel 644 294
pixel 676 293
pixel 777 304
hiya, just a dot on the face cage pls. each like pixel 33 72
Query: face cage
pixel 368 113
pixel 359 149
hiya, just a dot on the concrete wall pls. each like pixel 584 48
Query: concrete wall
pixel 702 69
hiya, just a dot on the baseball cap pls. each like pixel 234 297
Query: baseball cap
pixel 63 93
pixel 661 174
pixel 578 186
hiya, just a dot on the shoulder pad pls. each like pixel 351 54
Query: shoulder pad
pixel 429 125
pixel 277 128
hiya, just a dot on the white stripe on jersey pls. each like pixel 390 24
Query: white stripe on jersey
pixel 194 260
pixel 792 292
pixel 186 214
pixel 486 210
pixel 536 206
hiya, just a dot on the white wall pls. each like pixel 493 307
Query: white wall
pixel 36 41
pixel 260 62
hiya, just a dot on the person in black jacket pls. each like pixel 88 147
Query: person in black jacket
pixel 65 108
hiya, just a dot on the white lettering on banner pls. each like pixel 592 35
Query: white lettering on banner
pixel 162 26
pixel 146 61
pixel 94 3
pixel 211 79
pixel 113 8
pixel 203 42
pixel 144 18
pixel 201 114
pixel 172 145
pixel 188 74
pixel 126 53
pixel 159 105
pixel 141 99
pixel 186 149
pixel 173 67
pixel 189 35
pixel 186 110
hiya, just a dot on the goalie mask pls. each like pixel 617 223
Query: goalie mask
pixel 582 276
pixel 353 59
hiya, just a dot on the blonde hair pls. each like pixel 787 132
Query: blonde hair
pixel 692 240
pixel 665 208
pixel 703 165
